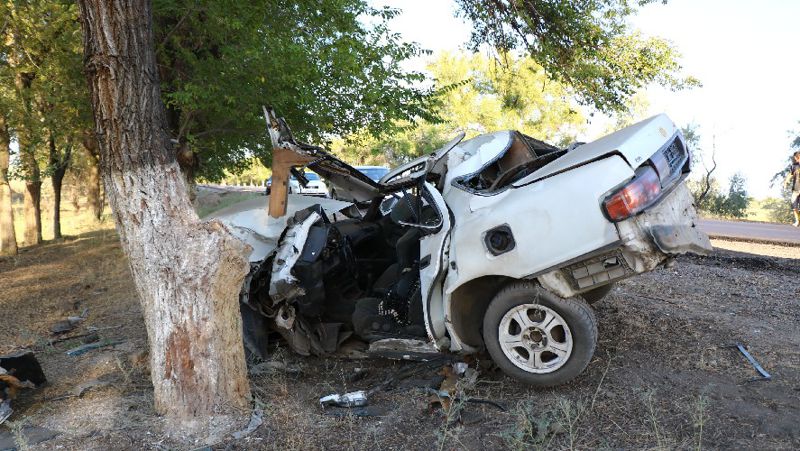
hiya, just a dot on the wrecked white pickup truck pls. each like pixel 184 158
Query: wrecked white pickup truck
pixel 497 243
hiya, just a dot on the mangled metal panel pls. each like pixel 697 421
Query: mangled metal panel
pixel 250 222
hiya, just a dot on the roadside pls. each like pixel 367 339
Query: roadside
pixel 661 377
pixel 751 231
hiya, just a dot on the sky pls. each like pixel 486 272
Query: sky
pixel 745 53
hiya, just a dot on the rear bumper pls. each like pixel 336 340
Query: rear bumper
pixel 680 239
pixel 667 229
pixel 647 241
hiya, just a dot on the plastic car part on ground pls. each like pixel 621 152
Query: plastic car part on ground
pixel 352 399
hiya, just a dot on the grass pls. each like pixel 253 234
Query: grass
pixel 209 203
pixel 757 211
pixel 700 416
pixel 73 221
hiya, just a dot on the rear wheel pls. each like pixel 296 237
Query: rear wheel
pixel 537 337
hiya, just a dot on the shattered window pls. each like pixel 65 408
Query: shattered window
pixel 522 157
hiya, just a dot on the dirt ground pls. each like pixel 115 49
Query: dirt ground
pixel 662 376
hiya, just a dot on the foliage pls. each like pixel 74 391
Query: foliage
pixel 734 204
pixel 634 110
pixel 778 210
pixel 393 149
pixel 330 68
pixel 477 94
pixel 42 44
pixel 586 44
pixel 730 204
pixel 255 173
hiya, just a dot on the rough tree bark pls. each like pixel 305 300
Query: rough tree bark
pixel 58 164
pixel 8 240
pixel 187 272
pixel 93 190
pixel 32 198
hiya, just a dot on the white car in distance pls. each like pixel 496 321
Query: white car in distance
pixel 314 187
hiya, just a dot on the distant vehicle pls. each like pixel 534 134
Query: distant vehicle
pixel 315 186
pixel 373 172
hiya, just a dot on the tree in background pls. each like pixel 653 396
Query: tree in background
pixel 708 195
pixel 48 105
pixel 8 239
pixel 587 45
pixel 476 94
pixel 706 187
pixel 21 57
pixel 62 97
pixel 734 203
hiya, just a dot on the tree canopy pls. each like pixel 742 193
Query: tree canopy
pixel 330 68
pixel 477 94
pixel 585 44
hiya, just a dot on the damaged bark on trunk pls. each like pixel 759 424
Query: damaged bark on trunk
pixel 187 273
pixel 8 240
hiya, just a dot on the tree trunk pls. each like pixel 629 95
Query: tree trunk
pixel 187 273
pixel 30 167
pixel 58 164
pixel 93 193
pixel 32 202
pixel 8 240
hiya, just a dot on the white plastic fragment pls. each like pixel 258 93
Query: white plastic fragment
pixel 352 399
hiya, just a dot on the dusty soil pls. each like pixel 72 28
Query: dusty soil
pixel 662 376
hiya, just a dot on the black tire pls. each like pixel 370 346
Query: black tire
pixel 575 312
pixel 597 294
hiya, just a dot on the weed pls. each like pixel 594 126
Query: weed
pixel 651 411
pixel 448 433
pixel 569 415
pixel 699 414
pixel 535 428
pixel 126 372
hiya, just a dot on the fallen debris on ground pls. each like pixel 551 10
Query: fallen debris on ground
pixel 83 349
pixel 764 376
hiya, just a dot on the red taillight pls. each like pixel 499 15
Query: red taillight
pixel 634 197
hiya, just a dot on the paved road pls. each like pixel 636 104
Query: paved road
pixel 751 230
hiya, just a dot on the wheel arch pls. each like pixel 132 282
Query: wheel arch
pixel 468 304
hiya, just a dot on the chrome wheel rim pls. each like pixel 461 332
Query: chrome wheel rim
pixel 535 338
